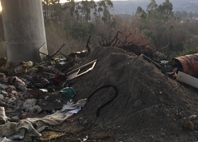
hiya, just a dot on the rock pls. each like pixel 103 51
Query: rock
pixel 137 103
pixel 4 93
pixel 9 110
pixel 189 125
pixel 22 87
pixel 163 134
pixel 85 122
pixel 196 124
pixel 14 92
pixel 29 103
pixel 80 118
pixel 192 117
pixel 19 103
pixel 7 98
pixel 11 100
pixel 3 117
pixel 15 118
pixel 35 109
pixel 4 87
pixel 1 96
pixel 17 83
pixel 166 111
pixel 3 77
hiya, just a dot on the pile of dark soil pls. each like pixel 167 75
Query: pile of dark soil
pixel 149 105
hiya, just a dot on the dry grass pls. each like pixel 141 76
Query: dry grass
pixel 49 135
pixel 56 36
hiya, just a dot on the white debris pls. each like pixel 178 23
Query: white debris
pixel 29 103
pixel 1 96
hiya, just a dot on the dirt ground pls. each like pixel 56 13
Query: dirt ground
pixel 149 107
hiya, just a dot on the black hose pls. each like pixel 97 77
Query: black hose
pixel 105 86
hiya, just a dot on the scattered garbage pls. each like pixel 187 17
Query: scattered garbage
pixel 59 77
pixel 3 78
pixel 81 70
pixel 184 69
pixel 68 92
pixel 187 79
pixel 49 135
pixel 188 64
pixel 85 139
pixel 27 90
pixel 18 83
pixel 150 60
pixel 70 121
pixel 23 67
pixel 42 90
pixel 3 117
pixel 33 126
pixel 164 62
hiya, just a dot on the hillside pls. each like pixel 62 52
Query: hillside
pixel 129 7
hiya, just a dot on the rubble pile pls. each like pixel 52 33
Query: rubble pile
pixel 13 93
pixel 31 94
pixel 150 106
pixel 144 104
pixel 26 93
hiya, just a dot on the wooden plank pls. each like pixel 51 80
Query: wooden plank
pixel 73 75
pixel 187 79
pixel 81 66
pixel 93 65
pixel 150 60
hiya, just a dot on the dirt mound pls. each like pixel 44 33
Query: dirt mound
pixel 149 106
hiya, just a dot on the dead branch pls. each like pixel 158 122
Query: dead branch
pixel 109 42
pixel 116 36
pixel 57 50
pixel 109 36
pixel 106 44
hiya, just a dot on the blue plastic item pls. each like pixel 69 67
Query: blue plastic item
pixel 68 92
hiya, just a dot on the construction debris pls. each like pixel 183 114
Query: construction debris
pixel 138 102
pixel 188 64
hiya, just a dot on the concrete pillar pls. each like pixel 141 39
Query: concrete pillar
pixel 24 30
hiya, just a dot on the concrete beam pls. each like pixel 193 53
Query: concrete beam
pixel 24 30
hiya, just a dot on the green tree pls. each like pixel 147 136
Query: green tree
pixel 140 13
pixel 166 9
pixel 86 8
pixel 70 7
pixel 52 9
pixel 104 6
pixel 190 15
pixel 184 14
pixel 46 4
pixel 56 9
pixel 151 8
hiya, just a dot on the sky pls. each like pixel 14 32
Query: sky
pixel 62 1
